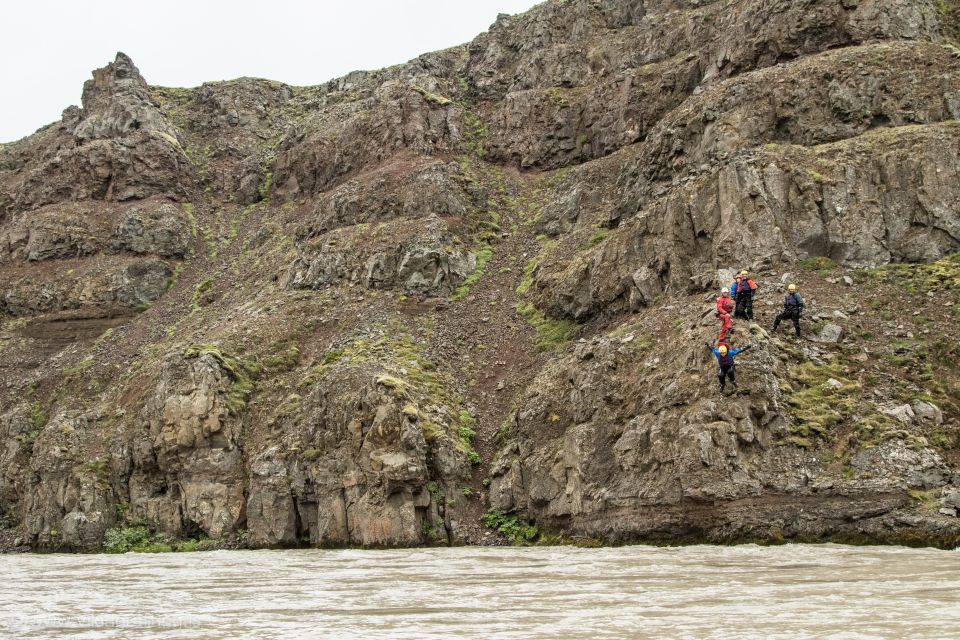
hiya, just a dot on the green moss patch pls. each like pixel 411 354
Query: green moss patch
pixel 553 335
pixel 820 398
pixel 484 253
pixel 243 373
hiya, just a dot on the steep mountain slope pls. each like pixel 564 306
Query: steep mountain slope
pixel 368 312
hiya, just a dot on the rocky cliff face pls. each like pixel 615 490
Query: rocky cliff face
pixel 368 312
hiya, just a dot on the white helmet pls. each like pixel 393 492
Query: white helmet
pixel 725 291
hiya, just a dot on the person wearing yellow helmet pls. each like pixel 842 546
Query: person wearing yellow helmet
pixel 792 309
pixel 725 356
pixel 742 292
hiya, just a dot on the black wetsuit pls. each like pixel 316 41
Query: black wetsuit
pixel 792 308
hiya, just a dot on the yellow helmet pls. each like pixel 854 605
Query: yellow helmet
pixel 744 273
pixel 791 288
pixel 722 349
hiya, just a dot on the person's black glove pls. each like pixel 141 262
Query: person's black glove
pixel 747 348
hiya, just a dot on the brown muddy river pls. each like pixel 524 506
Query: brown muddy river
pixel 793 591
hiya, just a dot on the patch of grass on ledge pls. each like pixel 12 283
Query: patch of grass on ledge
pixel 817 406
pixel 431 97
pixel 483 257
pixel 553 334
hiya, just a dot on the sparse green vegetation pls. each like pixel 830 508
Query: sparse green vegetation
pixel 819 264
pixel 820 398
pixel 78 371
pixel 475 134
pixel 122 540
pixel 200 159
pixel 201 293
pixel 553 334
pixel 484 254
pixel 38 416
pixel 599 236
pixel 175 278
pixel 188 210
pixel 265 187
pixel 517 532
pixel 530 269
pixel 466 432
pixel 435 494
pixel 138 539
pixel 243 373
pixel 431 97
pixel 942 275
pixel 949 13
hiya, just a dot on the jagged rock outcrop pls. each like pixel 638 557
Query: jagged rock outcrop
pixel 360 469
pixel 413 256
pixel 117 102
pixel 49 233
pixel 187 471
pixel 400 118
pixel 814 100
pixel 68 499
pixel 572 89
pixel 433 189
pixel 118 147
pixel 620 442
pixel 888 195
pixel 161 230
pixel 98 283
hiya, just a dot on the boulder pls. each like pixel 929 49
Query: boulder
pixel 724 277
pixel 411 256
pixel 162 230
pixel 928 412
pixel 830 333
pixel 901 412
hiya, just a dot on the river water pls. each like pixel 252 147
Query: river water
pixel 792 591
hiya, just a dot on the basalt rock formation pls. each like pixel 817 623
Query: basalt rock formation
pixel 370 311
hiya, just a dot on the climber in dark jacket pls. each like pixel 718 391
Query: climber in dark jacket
pixel 725 358
pixel 792 309
pixel 742 291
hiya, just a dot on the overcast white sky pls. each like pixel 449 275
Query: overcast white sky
pixel 48 49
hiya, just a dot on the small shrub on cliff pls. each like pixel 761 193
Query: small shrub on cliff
pixel 466 433
pixel 38 416
pixel 122 540
pixel 820 264
pixel 517 532
pixel 599 236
